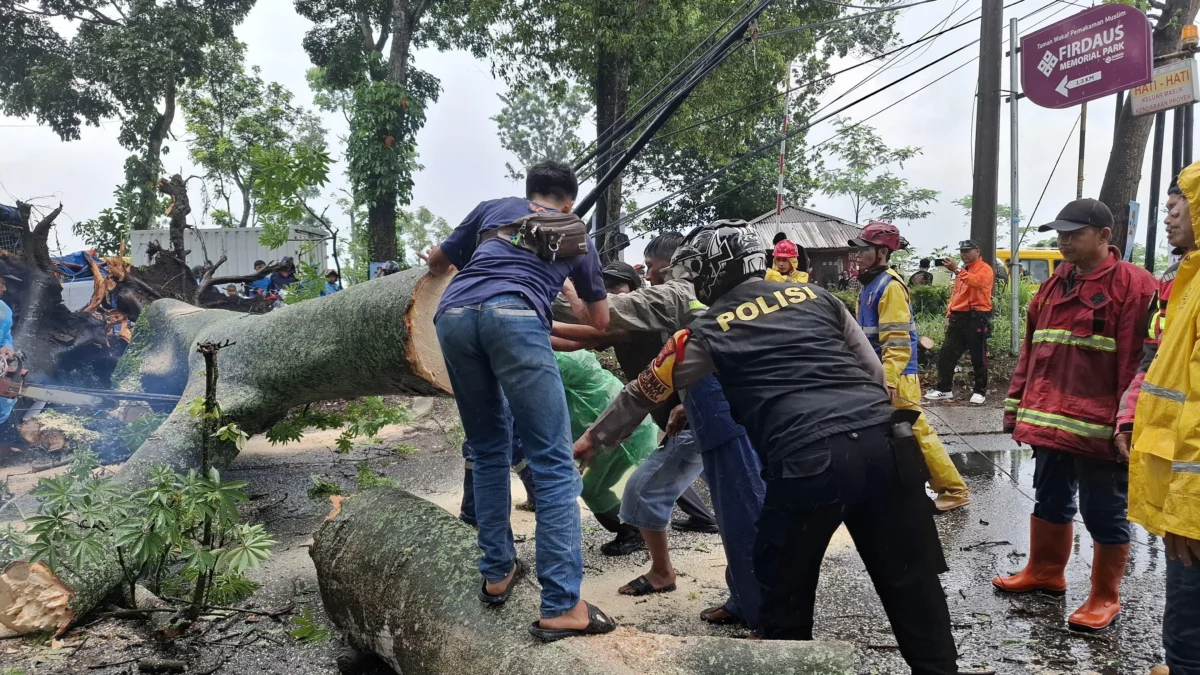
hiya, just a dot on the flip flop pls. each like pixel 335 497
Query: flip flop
pixel 729 618
pixel 497 600
pixel 598 624
pixel 642 586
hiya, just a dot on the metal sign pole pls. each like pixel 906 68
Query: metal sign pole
pixel 1014 277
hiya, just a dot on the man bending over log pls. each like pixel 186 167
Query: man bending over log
pixel 493 324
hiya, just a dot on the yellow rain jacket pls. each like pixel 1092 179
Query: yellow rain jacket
pixel 794 277
pixel 1164 465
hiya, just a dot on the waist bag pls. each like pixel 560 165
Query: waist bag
pixel 548 235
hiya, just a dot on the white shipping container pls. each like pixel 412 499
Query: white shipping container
pixel 239 244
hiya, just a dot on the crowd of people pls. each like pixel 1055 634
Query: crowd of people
pixel 802 416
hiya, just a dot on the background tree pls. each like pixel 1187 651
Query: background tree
pixel 541 123
pixel 622 51
pixel 866 178
pixel 1004 218
pixel 419 230
pixel 76 62
pixel 1124 171
pixel 231 113
pixel 365 47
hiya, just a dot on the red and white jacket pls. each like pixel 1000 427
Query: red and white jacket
pixel 1083 345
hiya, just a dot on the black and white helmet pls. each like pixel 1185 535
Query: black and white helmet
pixel 721 255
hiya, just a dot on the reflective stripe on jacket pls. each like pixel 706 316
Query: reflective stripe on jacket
pixel 1082 348
pixel 1164 465
pixel 885 314
pixel 794 277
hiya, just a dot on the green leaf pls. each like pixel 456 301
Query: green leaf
pixel 323 487
pixel 307 628
pixel 251 547
pixel 365 478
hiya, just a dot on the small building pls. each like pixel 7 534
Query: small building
pixel 823 236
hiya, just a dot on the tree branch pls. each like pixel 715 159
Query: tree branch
pixel 364 24
pixel 244 278
pixel 206 281
pixel 43 227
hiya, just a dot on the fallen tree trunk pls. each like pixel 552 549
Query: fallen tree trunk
pixel 371 339
pixel 397 576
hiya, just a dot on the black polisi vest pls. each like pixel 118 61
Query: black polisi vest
pixel 790 377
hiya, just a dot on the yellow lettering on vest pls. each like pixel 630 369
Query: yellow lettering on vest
pixel 766 309
pixel 747 311
pixel 796 294
pixel 782 300
pixel 811 295
pixel 723 320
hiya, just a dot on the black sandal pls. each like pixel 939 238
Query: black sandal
pixel 706 615
pixel 598 624
pixel 497 600
pixel 642 586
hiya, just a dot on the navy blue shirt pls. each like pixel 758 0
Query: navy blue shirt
pixel 497 266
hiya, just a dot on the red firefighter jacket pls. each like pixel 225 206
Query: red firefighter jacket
pixel 1083 344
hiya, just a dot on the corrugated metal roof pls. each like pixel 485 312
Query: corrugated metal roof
pixel 239 244
pixel 811 229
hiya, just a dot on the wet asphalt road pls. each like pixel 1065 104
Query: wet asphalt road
pixel 1010 634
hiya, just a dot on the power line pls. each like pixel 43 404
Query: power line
pixel 1049 178
pixel 773 143
pixel 641 114
pixel 668 74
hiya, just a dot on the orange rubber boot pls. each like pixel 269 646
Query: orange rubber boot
pixel 1104 602
pixel 1049 551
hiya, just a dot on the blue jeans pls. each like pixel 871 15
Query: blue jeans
pixel 1103 487
pixel 652 489
pixel 1181 621
pixel 499 350
pixel 734 476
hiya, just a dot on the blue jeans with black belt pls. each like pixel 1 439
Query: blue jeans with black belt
pixel 1181 620
pixel 500 349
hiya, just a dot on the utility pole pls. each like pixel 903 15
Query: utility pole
pixel 985 187
pixel 1156 160
pixel 1014 276
pixel 1189 122
pixel 1177 142
pixel 1082 148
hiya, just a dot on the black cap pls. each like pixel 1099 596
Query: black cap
pixel 1174 189
pixel 623 272
pixel 1080 214
pixel 967 245
pixel 9 276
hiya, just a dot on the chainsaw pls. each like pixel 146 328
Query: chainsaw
pixel 13 385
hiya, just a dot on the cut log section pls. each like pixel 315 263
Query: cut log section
pixel 374 338
pixel 397 576
pixel 56 433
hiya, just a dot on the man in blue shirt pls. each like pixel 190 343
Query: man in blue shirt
pixel 493 324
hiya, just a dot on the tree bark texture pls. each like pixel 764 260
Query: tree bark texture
pixel 158 134
pixel 398 576
pixel 1125 162
pixel 612 100
pixel 375 338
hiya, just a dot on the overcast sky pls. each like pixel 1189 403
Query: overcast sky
pixel 464 163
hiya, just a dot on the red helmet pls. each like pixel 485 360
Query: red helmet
pixel 786 249
pixel 879 234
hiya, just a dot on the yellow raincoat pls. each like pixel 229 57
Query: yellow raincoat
pixel 895 319
pixel 794 277
pixel 1164 465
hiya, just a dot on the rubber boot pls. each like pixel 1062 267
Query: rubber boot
pixel 1049 551
pixel 1104 602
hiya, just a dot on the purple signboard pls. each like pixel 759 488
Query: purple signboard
pixel 1097 52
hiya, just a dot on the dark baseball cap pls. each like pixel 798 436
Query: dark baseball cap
pixel 1079 214
pixel 967 245
pixel 623 272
